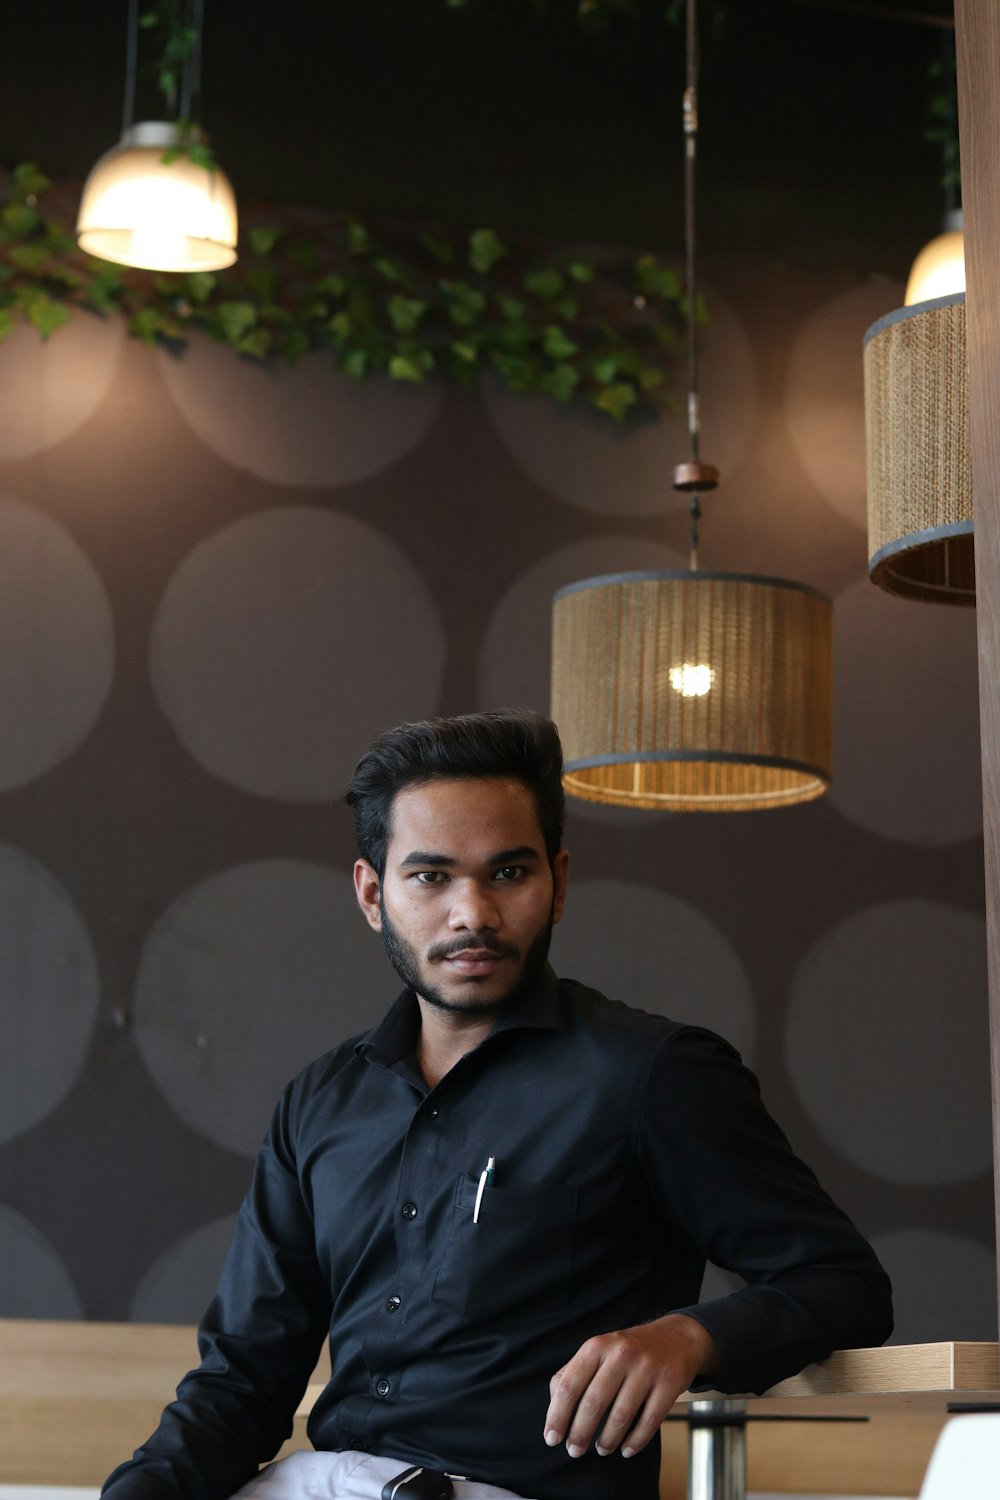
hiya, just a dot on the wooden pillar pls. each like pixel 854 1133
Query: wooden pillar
pixel 977 37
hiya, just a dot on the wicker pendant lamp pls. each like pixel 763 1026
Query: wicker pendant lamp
pixel 693 690
pixel 920 523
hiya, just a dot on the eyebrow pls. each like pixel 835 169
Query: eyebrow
pixel 445 862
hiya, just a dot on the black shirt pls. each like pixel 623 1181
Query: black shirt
pixel 628 1149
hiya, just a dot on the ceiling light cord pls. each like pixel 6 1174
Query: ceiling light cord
pixel 131 63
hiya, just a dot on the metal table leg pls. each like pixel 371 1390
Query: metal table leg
pixel 717 1450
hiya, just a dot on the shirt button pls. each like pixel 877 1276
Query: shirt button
pixel 409 1210
pixel 434 1114
pixel 383 1388
pixel 393 1303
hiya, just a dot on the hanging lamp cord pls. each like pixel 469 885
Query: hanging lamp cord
pixel 131 59
pixel 690 165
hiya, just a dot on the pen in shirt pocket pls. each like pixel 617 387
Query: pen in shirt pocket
pixel 486 1177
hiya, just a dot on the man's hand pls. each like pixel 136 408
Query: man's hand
pixel 617 1377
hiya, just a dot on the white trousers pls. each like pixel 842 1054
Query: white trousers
pixel 343 1476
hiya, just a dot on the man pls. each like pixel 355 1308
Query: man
pixel 499 1202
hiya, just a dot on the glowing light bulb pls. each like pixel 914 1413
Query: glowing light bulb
pixel 692 679
pixel 939 269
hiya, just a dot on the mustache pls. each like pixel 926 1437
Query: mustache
pixel 484 941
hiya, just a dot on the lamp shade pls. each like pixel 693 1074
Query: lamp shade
pixel 920 521
pixel 139 210
pixel 939 269
pixel 694 691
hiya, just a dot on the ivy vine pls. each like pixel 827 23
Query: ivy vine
pixel 431 304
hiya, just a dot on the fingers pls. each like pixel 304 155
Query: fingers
pixel 614 1384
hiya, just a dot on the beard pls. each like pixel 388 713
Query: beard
pixel 403 957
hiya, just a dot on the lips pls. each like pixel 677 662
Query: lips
pixel 471 962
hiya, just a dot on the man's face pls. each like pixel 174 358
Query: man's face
pixel 468 898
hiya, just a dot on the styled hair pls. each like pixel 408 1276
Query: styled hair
pixel 510 742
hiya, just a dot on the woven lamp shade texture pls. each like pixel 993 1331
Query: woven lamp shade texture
pixel 920 524
pixel 760 736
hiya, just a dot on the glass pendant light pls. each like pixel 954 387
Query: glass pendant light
pixel 147 203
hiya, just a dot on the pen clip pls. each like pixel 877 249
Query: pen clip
pixel 485 1178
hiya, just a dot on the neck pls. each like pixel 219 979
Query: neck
pixel 445 1038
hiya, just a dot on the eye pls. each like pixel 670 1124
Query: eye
pixel 429 877
pixel 509 872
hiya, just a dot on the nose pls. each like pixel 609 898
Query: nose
pixel 473 908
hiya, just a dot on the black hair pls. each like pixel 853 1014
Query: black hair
pixel 510 742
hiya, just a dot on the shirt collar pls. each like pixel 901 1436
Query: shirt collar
pixel 396 1035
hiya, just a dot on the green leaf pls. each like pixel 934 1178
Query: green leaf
pixel 263 238
pixel 405 313
pixel 341 325
pixel 391 270
pixel 467 353
pixel 200 285
pixel 557 345
pixel 261 283
pixel 29 258
pixel 650 378
pixel 359 241
pixel 512 309
pixel 547 284
pixel 467 302
pixel 202 155
pixel 104 293
pixel 332 285
pixel 615 399
pixel 656 280
pixel 29 180
pixel 402 367
pixel 236 318
pixel 256 343
pixel 567 307
pixel 604 368
pixel 485 250
pixel 148 324
pixel 560 382
pixel 438 248
pixel 294 343
pixel 304 254
pixel 581 271
pixel 520 375
pixel 20 220
pixel 354 363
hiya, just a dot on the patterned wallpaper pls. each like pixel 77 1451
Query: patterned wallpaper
pixel 218 582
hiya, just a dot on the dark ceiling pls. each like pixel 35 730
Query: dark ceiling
pixel 496 114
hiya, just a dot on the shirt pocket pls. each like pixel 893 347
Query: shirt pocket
pixel 516 1261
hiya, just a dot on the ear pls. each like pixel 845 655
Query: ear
pixel 366 888
pixel 560 877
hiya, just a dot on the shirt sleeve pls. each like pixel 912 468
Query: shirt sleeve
pixel 723 1171
pixel 259 1342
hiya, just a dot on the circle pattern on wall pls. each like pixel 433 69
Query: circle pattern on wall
pixel 56 643
pixel 306 425
pixel 35 1282
pixel 515 663
pixel 944 1287
pixel 49 981
pixel 585 458
pixel 285 642
pixel 887 1029
pixel 704 982
pixel 906 682
pixel 181 1282
pixel 825 397
pixel 245 979
pixel 51 387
